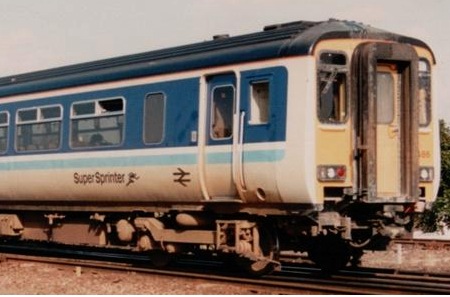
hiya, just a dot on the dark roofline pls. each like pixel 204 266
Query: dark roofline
pixel 297 38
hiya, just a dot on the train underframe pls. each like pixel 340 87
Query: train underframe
pixel 333 238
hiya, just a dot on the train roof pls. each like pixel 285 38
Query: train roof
pixel 275 41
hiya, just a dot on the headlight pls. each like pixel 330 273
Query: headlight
pixel 331 172
pixel 426 174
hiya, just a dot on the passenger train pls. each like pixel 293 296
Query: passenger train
pixel 318 137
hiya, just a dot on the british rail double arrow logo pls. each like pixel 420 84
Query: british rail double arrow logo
pixel 181 174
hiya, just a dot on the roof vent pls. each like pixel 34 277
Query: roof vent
pixel 221 36
pixel 299 24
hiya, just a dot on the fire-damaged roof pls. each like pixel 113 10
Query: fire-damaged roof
pixel 275 41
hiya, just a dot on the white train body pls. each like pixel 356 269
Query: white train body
pixel 297 119
pixel 279 169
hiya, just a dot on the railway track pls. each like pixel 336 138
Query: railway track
pixel 424 243
pixel 292 277
pixel 374 281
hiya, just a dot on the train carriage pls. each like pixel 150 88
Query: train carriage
pixel 307 136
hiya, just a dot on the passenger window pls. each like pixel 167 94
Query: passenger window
pixel 38 129
pixel 385 98
pixel 4 124
pixel 332 80
pixel 222 112
pixel 424 93
pixel 27 115
pixel 97 123
pixel 80 109
pixel 259 103
pixel 53 112
pixel 154 118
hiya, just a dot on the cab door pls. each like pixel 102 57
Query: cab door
pixel 385 90
pixel 388 131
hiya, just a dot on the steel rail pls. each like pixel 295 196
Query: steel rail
pixel 391 280
pixel 291 277
pixel 281 286
pixel 428 243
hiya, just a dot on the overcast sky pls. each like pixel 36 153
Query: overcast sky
pixel 42 34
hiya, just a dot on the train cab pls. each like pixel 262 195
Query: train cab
pixel 375 134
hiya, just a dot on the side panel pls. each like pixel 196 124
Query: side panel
pixel 127 175
pixel 296 175
pixel 262 130
pixel 164 170
pixel 334 137
pixel 157 171
pixel 429 146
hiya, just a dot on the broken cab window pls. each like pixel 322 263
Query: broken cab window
pixel 332 88
pixel 333 59
pixel 332 97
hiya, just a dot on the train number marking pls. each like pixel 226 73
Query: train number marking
pixel 425 154
pixel 181 174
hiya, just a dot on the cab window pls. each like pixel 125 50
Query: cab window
pixel 332 88
pixel 424 93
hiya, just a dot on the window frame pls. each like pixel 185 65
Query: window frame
pixel 39 119
pixel 428 94
pixel 392 101
pixel 251 120
pixel 212 116
pixel 333 69
pixel 164 117
pixel 97 114
pixel 7 126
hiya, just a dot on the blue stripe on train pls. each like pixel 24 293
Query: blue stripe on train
pixel 263 156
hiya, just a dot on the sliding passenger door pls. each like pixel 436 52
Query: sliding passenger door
pixel 244 122
pixel 218 152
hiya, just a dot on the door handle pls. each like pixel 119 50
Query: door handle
pixel 393 131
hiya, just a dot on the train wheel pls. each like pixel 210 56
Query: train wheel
pixel 268 255
pixel 330 252
pixel 357 246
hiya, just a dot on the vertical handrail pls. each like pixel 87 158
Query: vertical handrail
pixel 241 151
pixel 202 114
pixel 237 155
